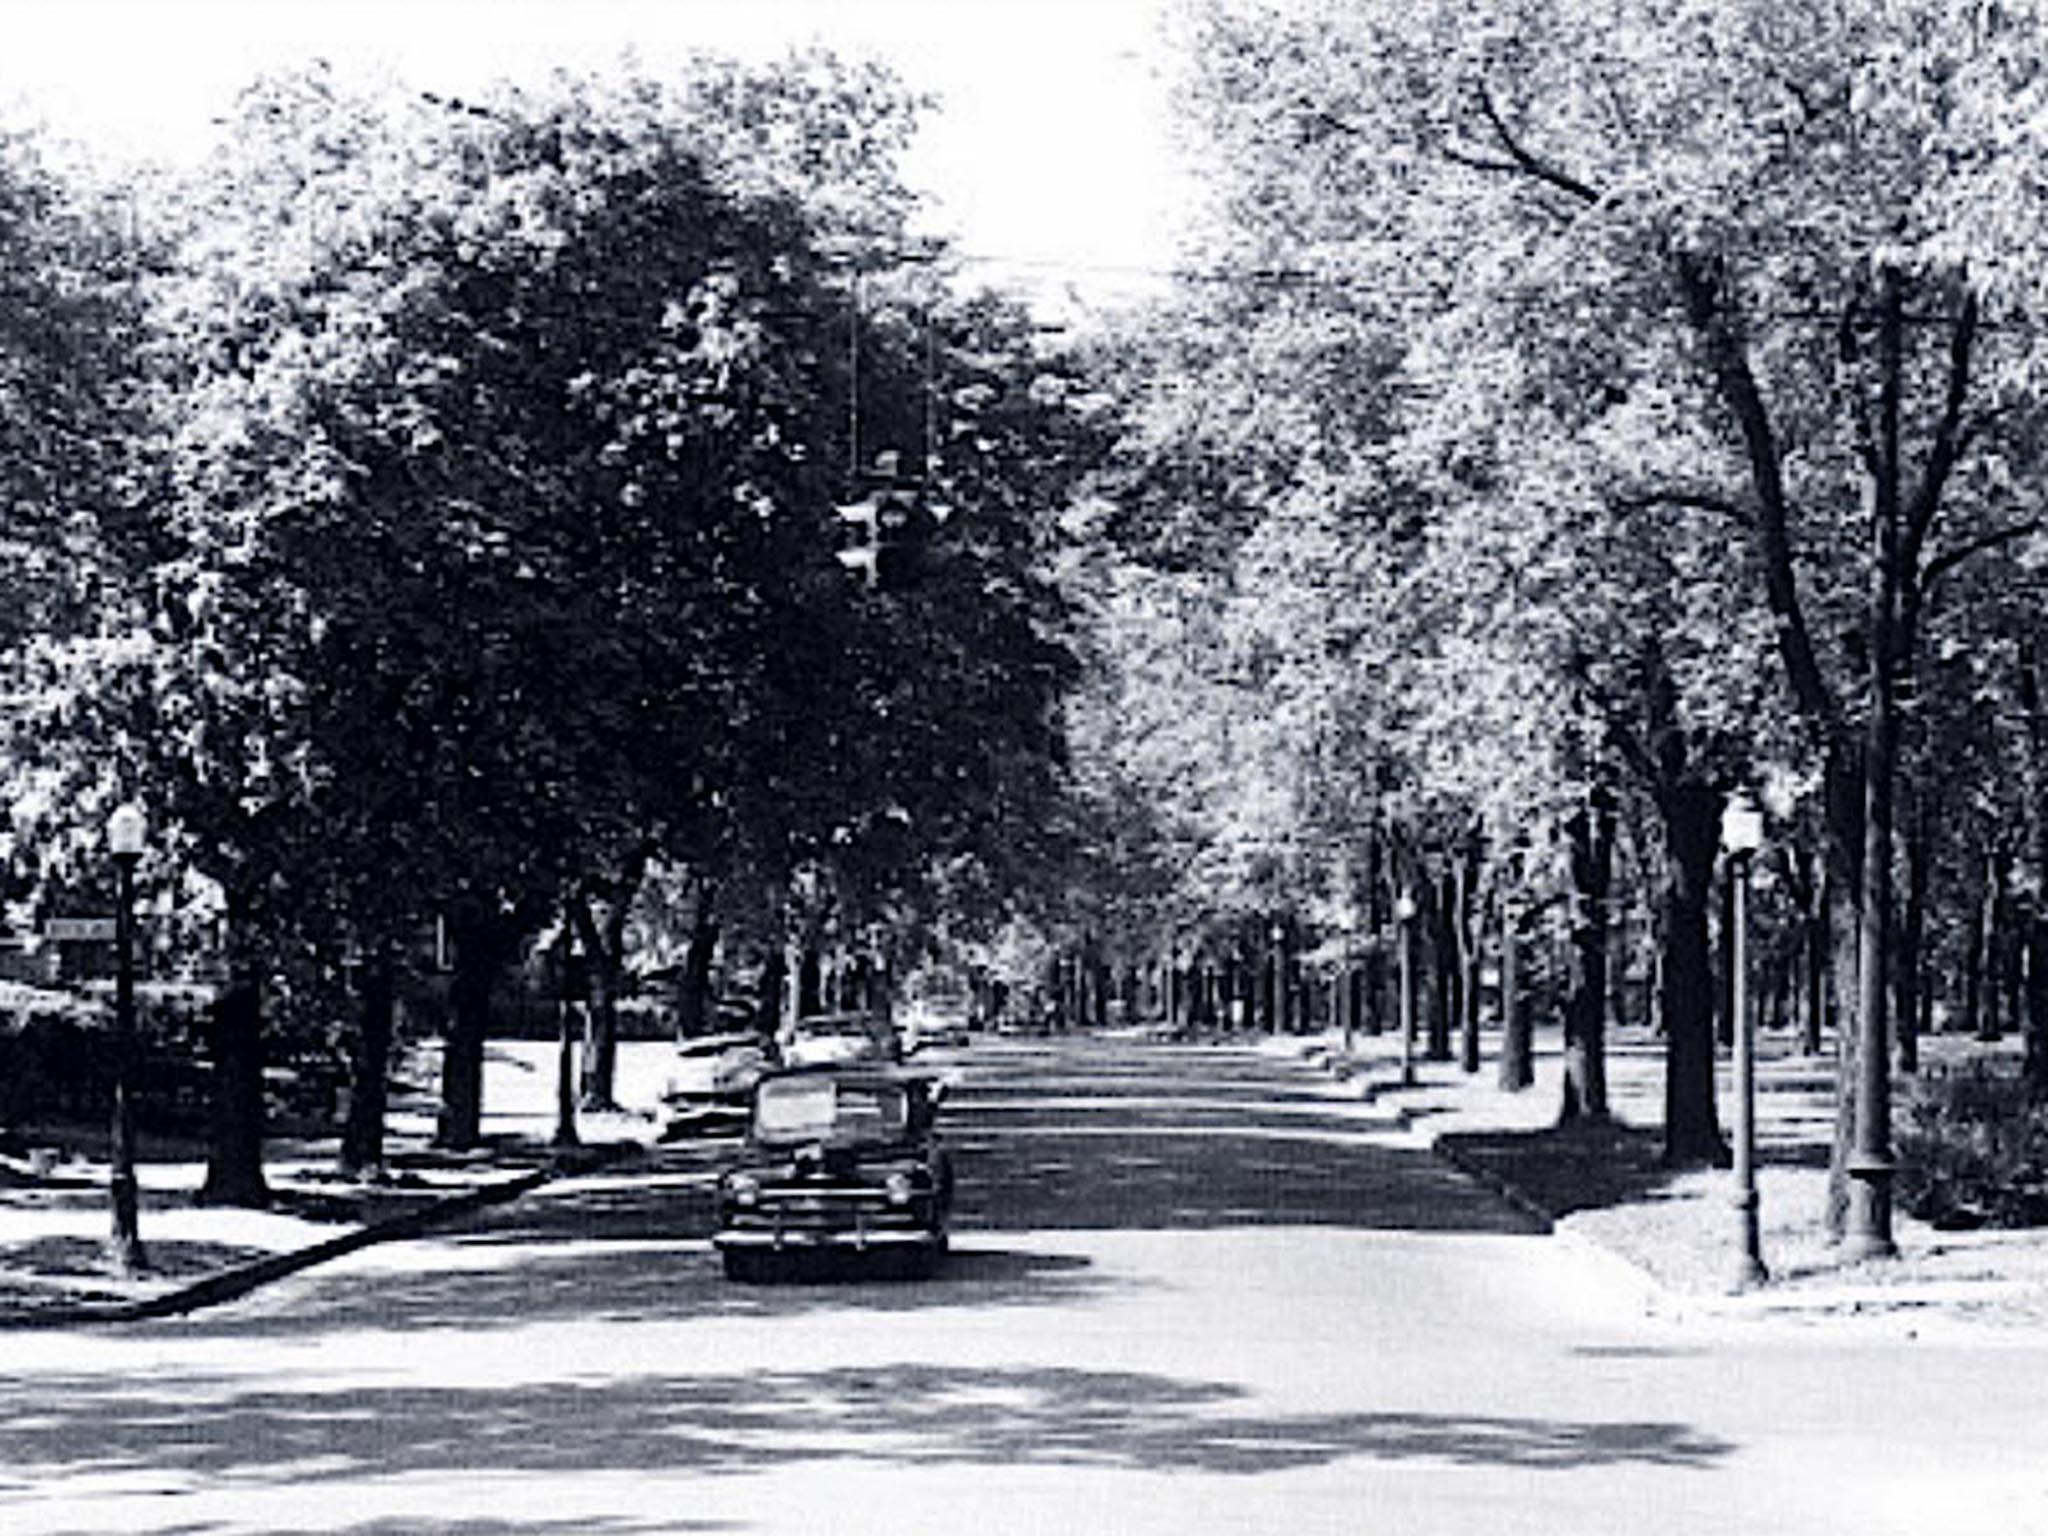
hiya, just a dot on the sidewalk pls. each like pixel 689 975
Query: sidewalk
pixel 54 1213
pixel 1603 1185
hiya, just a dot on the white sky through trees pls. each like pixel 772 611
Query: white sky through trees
pixel 1048 155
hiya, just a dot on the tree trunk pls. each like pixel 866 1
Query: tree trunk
pixel 1591 833
pixel 1843 787
pixel 1444 1001
pixel 2034 1063
pixel 1655 1012
pixel 1778 991
pixel 768 998
pixel 1984 969
pixel 234 1151
pixel 2011 963
pixel 565 1072
pixel 1517 1045
pixel 810 985
pixel 1692 1134
pixel 1465 932
pixel 604 943
pixel 1814 932
pixel 362 1135
pixel 1373 987
pixel 484 943
pixel 1913 935
pixel 693 1003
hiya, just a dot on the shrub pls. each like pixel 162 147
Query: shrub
pixel 1973 1150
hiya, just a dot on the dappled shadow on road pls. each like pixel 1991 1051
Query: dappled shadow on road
pixel 1104 1135
pixel 621 1525
pixel 1160 1178
pixel 907 1415
pixel 500 1525
pixel 470 1289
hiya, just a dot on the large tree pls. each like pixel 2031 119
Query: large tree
pixel 1815 202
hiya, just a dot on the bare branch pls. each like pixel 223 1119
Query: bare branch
pixel 1526 162
pixel 1951 438
pixel 1699 281
pixel 1473 162
pixel 1947 561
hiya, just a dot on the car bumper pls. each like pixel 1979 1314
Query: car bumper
pixel 845 1221
pixel 791 1239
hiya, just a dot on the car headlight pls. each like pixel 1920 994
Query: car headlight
pixel 742 1188
pixel 899 1188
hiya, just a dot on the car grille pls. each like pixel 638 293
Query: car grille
pixel 817 1211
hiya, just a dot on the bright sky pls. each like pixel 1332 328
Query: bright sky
pixel 1050 149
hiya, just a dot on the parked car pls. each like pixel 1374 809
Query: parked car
pixel 839 1163
pixel 713 1077
pixel 933 1021
pixel 828 1039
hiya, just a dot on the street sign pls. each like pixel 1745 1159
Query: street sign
pixel 80 929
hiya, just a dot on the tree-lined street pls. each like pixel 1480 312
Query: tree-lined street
pixel 1189 1292
pixel 534 582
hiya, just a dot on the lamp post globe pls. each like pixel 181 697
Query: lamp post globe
pixel 127 830
pixel 1742 826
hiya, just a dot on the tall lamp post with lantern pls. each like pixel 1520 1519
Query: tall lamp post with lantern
pixel 1742 834
pixel 126 830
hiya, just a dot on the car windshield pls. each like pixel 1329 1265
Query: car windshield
pixel 853 1027
pixel 821 1108
pixel 716 1045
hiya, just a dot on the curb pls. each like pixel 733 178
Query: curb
pixel 1370 1089
pixel 231 1284
pixel 1501 1188
pixel 1352 1075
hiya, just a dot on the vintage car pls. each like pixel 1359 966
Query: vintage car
pixel 712 1078
pixel 833 1039
pixel 934 1022
pixel 840 1163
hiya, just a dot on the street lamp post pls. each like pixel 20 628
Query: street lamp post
pixel 1404 919
pixel 125 832
pixel 1742 829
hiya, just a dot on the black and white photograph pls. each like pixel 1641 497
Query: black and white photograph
pixel 1027 767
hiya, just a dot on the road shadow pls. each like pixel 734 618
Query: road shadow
pixel 1161 1178
pixel 417 1525
pixel 907 1415
pixel 1584 1165
pixel 620 1525
pixel 631 1284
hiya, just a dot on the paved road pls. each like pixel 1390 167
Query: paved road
pixel 1196 1291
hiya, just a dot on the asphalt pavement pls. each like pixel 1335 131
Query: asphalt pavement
pixel 1195 1289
